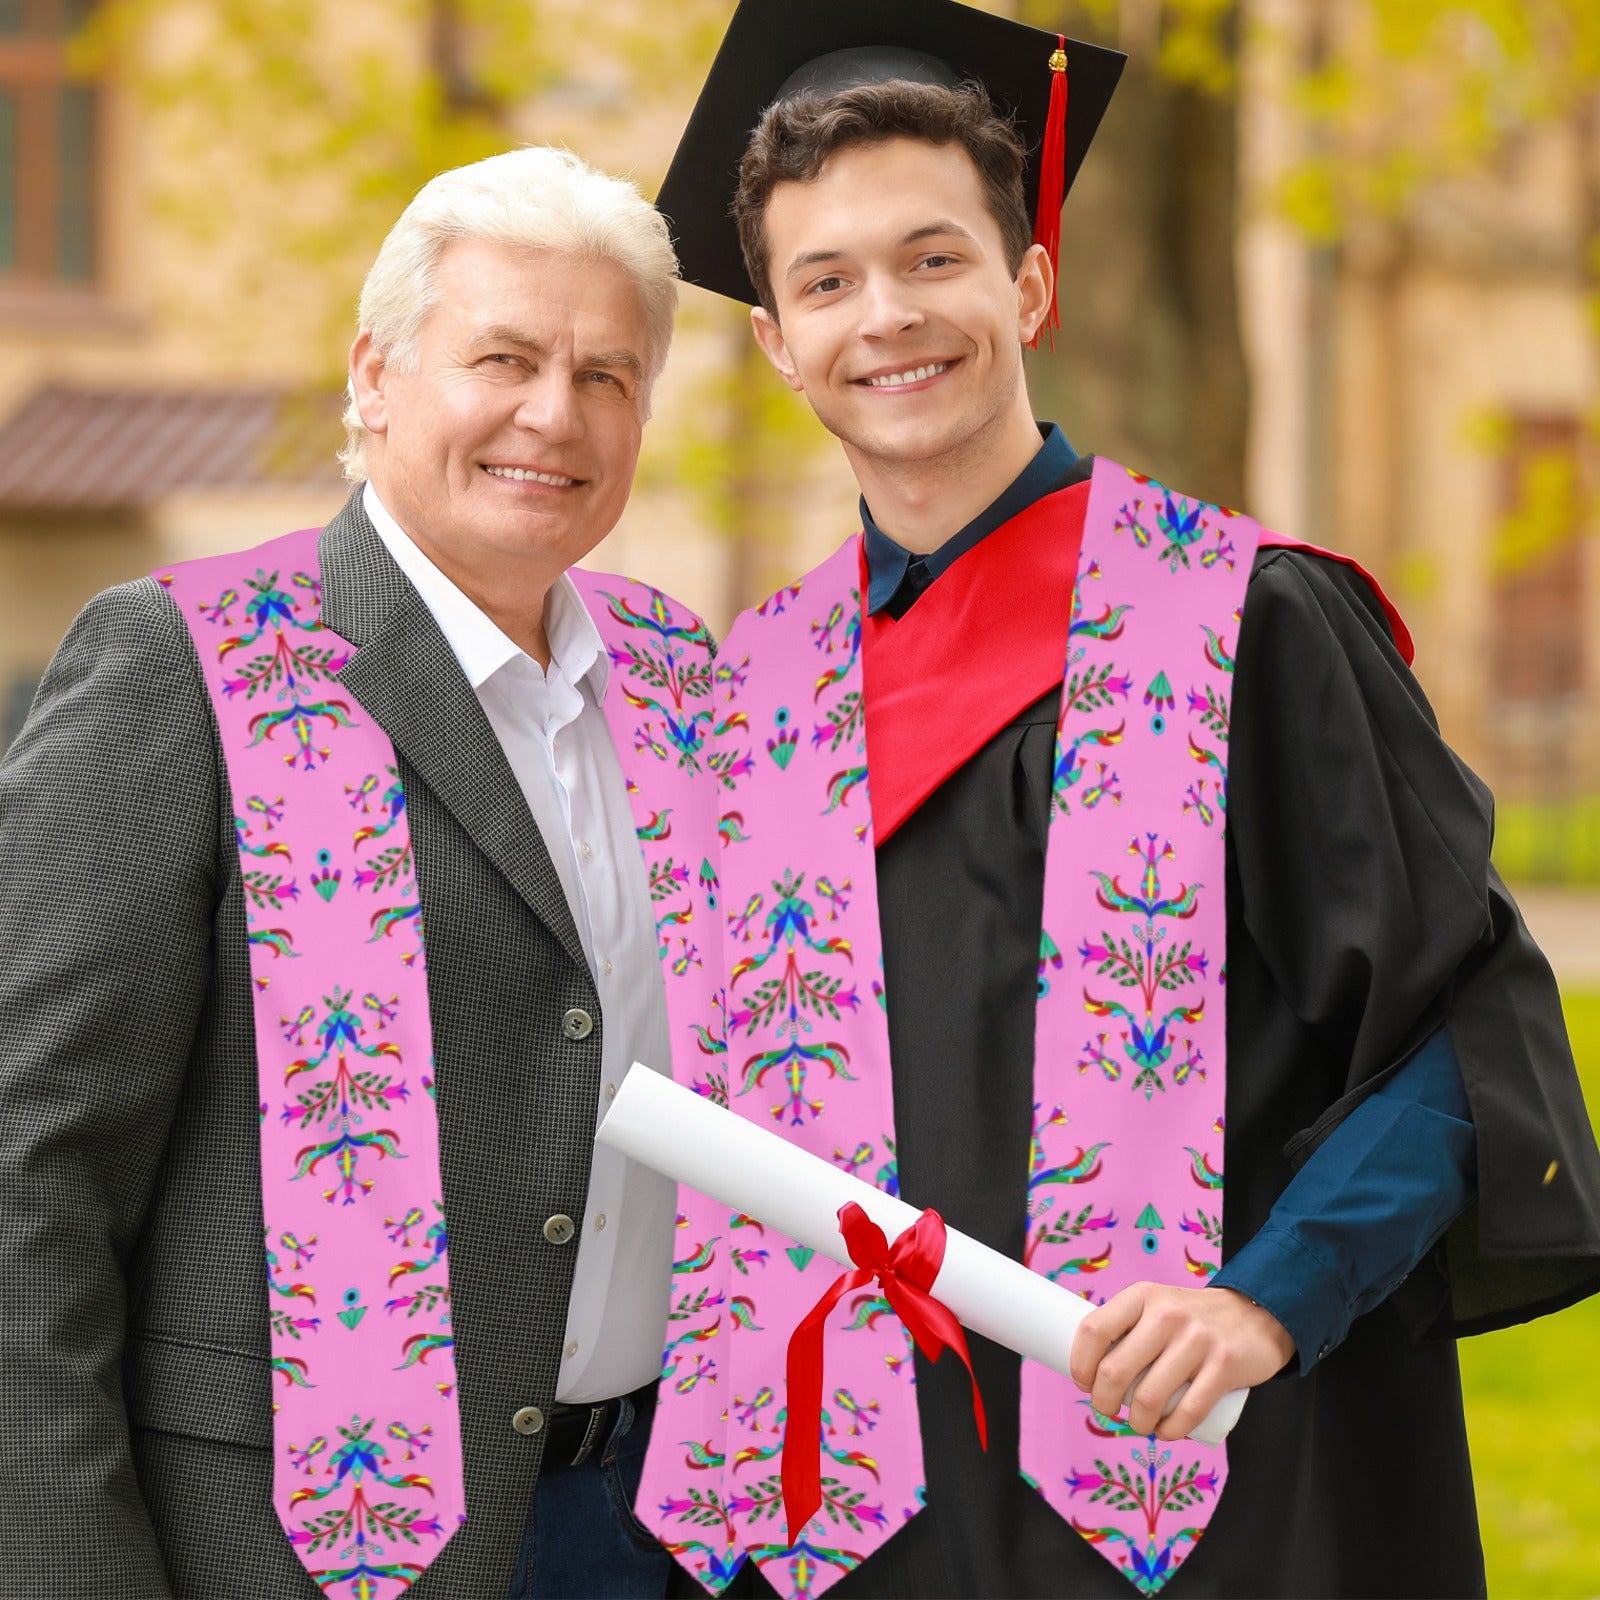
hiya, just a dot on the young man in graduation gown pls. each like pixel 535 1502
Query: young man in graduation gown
pixel 986 944
pixel 241 1110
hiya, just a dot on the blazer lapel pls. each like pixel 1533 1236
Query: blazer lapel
pixel 407 679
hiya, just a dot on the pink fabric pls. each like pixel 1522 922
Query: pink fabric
pixel 1130 1069
pixel 808 1050
pixel 367 1449
pixel 1131 1041
pixel 367 1443
pixel 661 707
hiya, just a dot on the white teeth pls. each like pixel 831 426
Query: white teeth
pixel 519 475
pixel 913 375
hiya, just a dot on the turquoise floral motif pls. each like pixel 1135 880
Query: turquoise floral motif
pixel 284 1268
pixel 1160 696
pixel 1047 1228
pixel 391 804
pixel 366 1533
pixel 1206 1226
pixel 785 737
pixel 414 1441
pixel 1218 654
pixel 785 1003
pixel 668 674
pixel 731 759
pixel 1145 961
pixel 351 1309
pixel 1180 524
pixel 837 896
pixel 1106 625
pixel 1211 709
pixel 711 1041
pixel 843 726
pixel 845 621
pixel 694 1298
pixel 1201 1169
pixel 1148 1485
pixel 384 1010
pixel 389 869
pixel 1092 690
pixel 326 877
pixel 719 1561
pixel 420 1261
pixel 268 814
pixel 335 1103
pixel 288 664
pixel 775 604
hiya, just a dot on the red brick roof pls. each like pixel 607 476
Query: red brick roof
pixel 68 450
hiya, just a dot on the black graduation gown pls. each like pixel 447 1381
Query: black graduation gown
pixel 1362 912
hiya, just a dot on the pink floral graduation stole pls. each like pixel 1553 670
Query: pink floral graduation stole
pixel 660 707
pixel 367 1441
pixel 1129 1079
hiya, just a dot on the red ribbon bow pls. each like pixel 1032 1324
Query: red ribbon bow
pixel 906 1271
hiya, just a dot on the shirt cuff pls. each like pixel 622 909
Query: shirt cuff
pixel 1278 1271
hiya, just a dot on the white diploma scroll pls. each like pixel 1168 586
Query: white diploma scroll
pixel 689 1138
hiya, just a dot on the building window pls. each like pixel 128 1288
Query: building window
pixel 48 138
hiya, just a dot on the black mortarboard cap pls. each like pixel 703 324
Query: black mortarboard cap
pixel 777 48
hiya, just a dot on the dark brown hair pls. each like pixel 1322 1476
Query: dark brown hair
pixel 796 137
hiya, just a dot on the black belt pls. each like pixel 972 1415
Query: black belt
pixel 574 1433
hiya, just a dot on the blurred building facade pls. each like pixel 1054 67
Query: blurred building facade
pixel 161 399
pixel 1422 395
pixel 1426 396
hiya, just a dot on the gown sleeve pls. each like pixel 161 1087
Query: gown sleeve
pixel 1366 1208
pixel 1360 844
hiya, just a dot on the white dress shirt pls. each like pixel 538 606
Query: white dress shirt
pixel 554 732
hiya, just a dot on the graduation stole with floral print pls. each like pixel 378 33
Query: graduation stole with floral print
pixel 367 1463
pixel 1125 1179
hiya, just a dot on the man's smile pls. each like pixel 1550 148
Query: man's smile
pixel 552 480
pixel 900 379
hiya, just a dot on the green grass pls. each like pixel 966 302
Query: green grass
pixel 1533 1414
pixel 1548 841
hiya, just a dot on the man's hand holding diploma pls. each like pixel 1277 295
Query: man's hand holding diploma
pixel 1214 1340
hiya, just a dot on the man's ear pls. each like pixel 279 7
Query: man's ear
pixel 1036 282
pixel 367 372
pixel 774 347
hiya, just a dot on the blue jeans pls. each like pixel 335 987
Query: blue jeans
pixel 583 1541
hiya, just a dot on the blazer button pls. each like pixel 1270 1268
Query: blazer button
pixel 530 1419
pixel 560 1229
pixel 577 1024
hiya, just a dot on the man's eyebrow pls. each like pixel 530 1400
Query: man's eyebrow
pixel 625 360
pixel 941 228
pixel 811 258
pixel 504 334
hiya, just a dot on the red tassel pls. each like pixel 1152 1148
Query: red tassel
pixel 1052 183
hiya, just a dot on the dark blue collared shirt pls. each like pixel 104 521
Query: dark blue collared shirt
pixel 1380 1191
pixel 896 577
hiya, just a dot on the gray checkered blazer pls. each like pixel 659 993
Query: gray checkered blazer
pixel 135 1401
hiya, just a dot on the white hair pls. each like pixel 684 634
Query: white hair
pixel 537 197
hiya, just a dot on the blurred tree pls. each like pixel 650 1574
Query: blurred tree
pixel 1394 100
pixel 1149 366
pixel 295 132
pixel 300 129
pixel 1402 102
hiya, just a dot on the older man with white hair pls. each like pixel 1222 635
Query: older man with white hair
pixel 247 787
